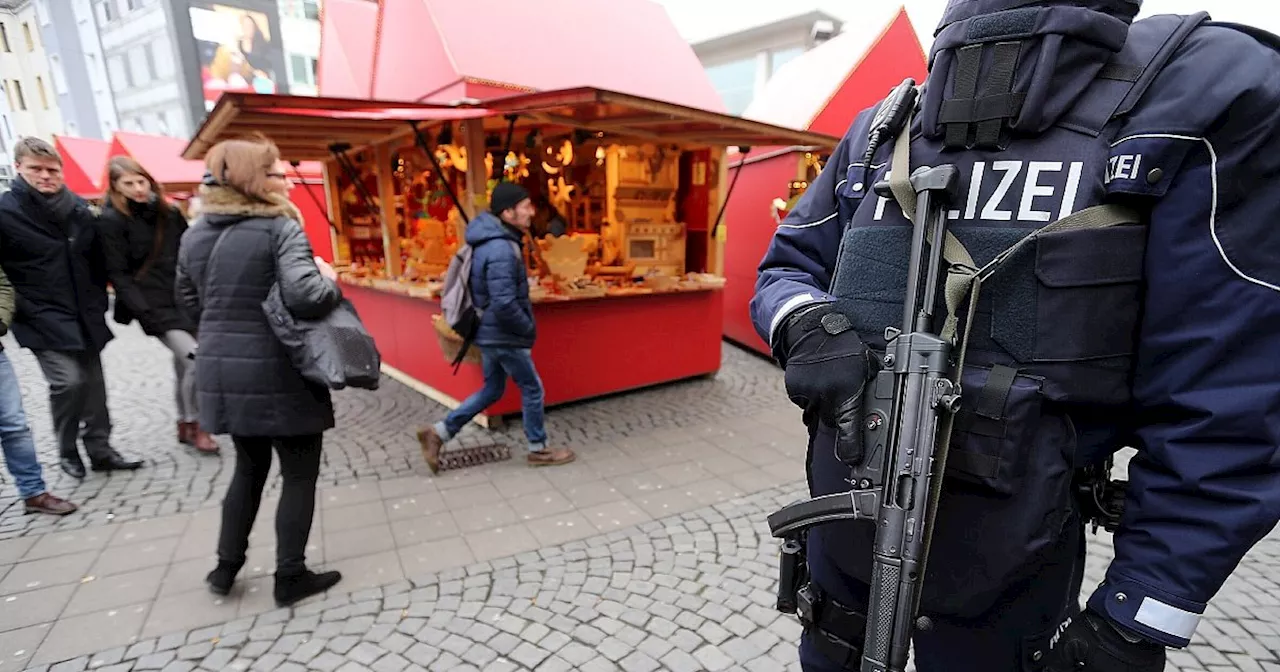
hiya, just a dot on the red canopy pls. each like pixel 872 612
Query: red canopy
pixel 83 160
pixel 445 50
pixel 161 155
pixel 348 31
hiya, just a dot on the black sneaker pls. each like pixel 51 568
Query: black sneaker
pixel 295 587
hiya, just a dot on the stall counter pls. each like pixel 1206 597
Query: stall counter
pixel 586 347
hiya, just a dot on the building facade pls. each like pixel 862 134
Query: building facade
pixel 740 63
pixel 300 27
pixel 77 68
pixel 24 73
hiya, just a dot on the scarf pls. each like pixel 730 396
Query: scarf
pixel 58 206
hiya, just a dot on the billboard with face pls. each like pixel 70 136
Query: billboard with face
pixel 231 45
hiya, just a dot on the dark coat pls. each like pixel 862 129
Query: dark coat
pixel 500 284
pixel 245 382
pixel 57 270
pixel 145 294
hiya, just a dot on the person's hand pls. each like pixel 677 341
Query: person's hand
pixel 326 270
pixel 827 369
pixel 1091 644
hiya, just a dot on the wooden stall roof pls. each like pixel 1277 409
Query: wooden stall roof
pixel 646 119
pixel 304 127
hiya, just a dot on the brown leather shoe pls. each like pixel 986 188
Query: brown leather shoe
pixel 551 458
pixel 204 442
pixel 431 446
pixel 186 433
pixel 47 503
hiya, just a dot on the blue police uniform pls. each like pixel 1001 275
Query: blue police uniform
pixel 1161 335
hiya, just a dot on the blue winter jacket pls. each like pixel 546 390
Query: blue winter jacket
pixel 500 284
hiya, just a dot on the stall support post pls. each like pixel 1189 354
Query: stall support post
pixel 718 234
pixel 341 252
pixel 390 218
pixel 477 178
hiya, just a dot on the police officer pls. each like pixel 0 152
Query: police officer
pixel 1159 332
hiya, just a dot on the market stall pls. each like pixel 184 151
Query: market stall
pixel 821 91
pixel 624 273
pixel 83 160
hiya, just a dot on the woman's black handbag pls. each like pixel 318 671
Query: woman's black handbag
pixel 335 351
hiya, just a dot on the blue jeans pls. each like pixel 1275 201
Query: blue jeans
pixel 498 363
pixel 15 435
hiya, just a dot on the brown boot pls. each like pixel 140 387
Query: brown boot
pixel 186 433
pixel 551 458
pixel 47 503
pixel 431 446
pixel 204 442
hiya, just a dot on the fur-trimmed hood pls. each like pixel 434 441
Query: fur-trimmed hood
pixel 220 201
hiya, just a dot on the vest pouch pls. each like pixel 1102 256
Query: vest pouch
pixel 1000 410
pixel 994 525
pixel 1089 293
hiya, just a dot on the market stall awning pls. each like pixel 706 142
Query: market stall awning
pixel 823 89
pixel 161 155
pixel 445 50
pixel 84 162
pixel 641 119
pixel 348 33
pixel 305 127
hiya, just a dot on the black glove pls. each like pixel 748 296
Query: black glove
pixel 4 328
pixel 827 369
pixel 1091 644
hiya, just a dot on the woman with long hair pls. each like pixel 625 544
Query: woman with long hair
pixel 249 237
pixel 143 232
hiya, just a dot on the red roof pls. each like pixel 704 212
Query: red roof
pixel 823 89
pixel 442 50
pixel 161 155
pixel 83 161
pixel 348 29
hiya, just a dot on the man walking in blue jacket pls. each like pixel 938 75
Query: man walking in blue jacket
pixel 500 287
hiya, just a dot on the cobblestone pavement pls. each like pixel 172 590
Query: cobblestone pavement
pixel 650 553
pixel 373 440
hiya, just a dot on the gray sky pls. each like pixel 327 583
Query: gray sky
pixel 703 19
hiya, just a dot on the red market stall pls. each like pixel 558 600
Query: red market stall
pixel 161 155
pixel 83 160
pixel 623 294
pixel 820 91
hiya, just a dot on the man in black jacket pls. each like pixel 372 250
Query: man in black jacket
pixel 52 253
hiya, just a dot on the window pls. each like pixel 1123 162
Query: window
pixel 735 81
pixel 26 33
pixel 58 74
pixel 44 98
pixel 148 52
pixel 106 10
pixel 17 95
pixel 779 58
pixel 4 38
pixel 302 69
pixel 116 73
pixel 311 9
pixel 133 4
pixel 136 67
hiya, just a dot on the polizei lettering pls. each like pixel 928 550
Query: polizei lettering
pixel 1123 167
pixel 1025 191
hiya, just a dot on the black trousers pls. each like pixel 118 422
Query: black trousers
pixel 1014 635
pixel 299 468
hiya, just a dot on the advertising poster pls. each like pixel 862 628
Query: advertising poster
pixel 237 48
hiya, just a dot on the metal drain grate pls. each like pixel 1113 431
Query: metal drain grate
pixel 473 456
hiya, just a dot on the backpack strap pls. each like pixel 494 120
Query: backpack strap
pixel 1125 78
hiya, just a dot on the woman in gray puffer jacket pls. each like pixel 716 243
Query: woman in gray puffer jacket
pixel 248 238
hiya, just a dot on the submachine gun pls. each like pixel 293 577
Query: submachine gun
pixel 908 411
